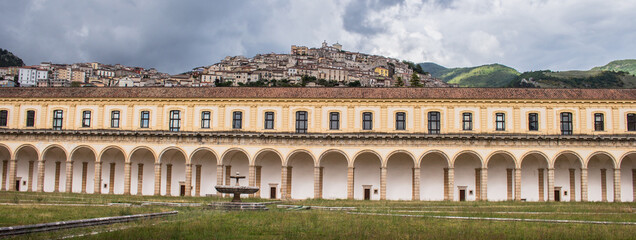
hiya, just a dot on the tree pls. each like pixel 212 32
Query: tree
pixel 76 84
pixel 354 84
pixel 415 80
pixel 399 82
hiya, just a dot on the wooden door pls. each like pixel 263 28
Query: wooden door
pixel 367 194
pixel 557 195
pixel 272 192
pixel 462 195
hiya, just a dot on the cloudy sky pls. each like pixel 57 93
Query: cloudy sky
pixel 175 36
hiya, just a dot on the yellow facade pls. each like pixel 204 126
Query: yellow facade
pixel 382 71
pixel 189 130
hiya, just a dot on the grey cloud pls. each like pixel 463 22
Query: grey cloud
pixel 357 12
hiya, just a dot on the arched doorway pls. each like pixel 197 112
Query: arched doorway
pixel 83 160
pixel 26 172
pixel 203 172
pixel 567 177
pixel 534 177
pixel 268 165
pixel 333 166
pixel 467 175
pixel 142 171
pixel 366 176
pixel 399 176
pixel 434 176
pixel 501 177
pixel 300 166
pixel 112 162
pixel 600 178
pixel 173 170
pixel 54 169
pixel 236 161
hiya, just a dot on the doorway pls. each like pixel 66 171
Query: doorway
pixel 462 195
pixel 367 194
pixel 182 189
pixel 17 185
pixel 272 192
pixel 557 194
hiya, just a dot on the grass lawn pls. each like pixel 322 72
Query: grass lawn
pixel 195 223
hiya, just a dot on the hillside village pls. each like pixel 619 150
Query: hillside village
pixel 303 66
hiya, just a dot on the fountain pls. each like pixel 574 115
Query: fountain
pixel 237 189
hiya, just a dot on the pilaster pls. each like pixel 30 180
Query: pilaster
pixel 283 182
pixel 12 174
pixel 451 184
pixel 516 120
pixel 416 184
pixel 157 179
pixel 252 176
pixel 188 183
pixel 30 186
pixel 572 185
pixel 350 182
pixel 583 184
pixel 127 174
pixel 140 178
pixel 219 174
pixel 317 183
pixel 5 171
pixel 383 119
pixel 84 176
pixel 69 176
pixel 551 184
pixel 518 184
pixel 197 191
pixel 450 120
pixel 484 184
pixel 383 183
pixel 169 179
pixel 617 185
pixel 604 185
pixel 417 119
pixel 98 178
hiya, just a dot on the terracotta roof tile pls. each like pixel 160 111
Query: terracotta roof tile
pixel 324 93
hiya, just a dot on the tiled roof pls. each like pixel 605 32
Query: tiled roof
pixel 324 93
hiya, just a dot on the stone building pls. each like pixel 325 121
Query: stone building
pixel 362 143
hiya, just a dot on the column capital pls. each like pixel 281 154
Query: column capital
pixel 517 169
pixel 416 167
pixel 583 168
pixel 157 164
pixel 128 163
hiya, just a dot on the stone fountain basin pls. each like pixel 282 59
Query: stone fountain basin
pixel 236 189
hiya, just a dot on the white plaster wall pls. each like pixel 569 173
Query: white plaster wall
pixel 113 156
pixel 123 116
pixel 562 177
pixel 432 177
pixel 23 173
pixel 311 125
pixel 178 172
pixel 459 118
pixel 523 114
pixel 498 179
pixel 390 122
pixel 366 172
pixel 208 174
pixel 399 179
pixel 325 116
pixel 627 188
pixel 594 179
pixel 78 158
pixel 270 173
pixel 145 157
pixel 334 185
pixel 214 118
pixel 228 117
pixel 490 123
pixel 54 155
pixel 260 119
pixel 302 177
pixel 465 176
pixel 38 116
pixel 607 114
pixel 94 115
pixel 137 116
pixel 530 178
pixel 239 164
pixel 357 123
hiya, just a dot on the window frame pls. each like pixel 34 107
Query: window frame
pixel 599 124
pixel 146 119
pixel 269 120
pixel 567 123
pixel 631 122
pixel 467 124
pixel 115 122
pixel 533 125
pixel 86 118
pixel 399 121
pixel 58 119
pixel 237 120
pixel 367 121
pixel 4 118
pixel 174 123
pixel 206 119
pixel 333 121
pixel 302 124
pixel 500 121
pixel 30 119
pixel 434 122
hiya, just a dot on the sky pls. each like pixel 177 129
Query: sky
pixel 176 36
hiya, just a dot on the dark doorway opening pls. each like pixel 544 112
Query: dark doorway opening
pixel 272 192
pixel 17 185
pixel 462 195
pixel 367 194
pixel 182 190
pixel 557 195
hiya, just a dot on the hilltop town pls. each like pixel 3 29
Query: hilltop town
pixel 328 66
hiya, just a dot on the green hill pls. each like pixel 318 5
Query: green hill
pixel 627 65
pixel 575 79
pixel 432 68
pixel 7 59
pixel 493 75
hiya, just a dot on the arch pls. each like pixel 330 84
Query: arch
pixel 37 152
pixel 523 157
pixel 231 151
pixel 504 152
pixel 398 152
pixel 594 154
pixel 625 155
pixel 564 152
pixel 11 155
pixel 101 154
pixel 289 156
pixel 174 148
pixel 441 153
pixel 481 160
pixel 56 146
pixel 333 150
pixel 264 151
pixel 363 152
pixel 83 146
pixel 204 149
pixel 132 152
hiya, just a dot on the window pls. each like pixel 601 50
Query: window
pixel 175 120
pixel 400 121
pixel 30 118
pixel 500 122
pixel 237 120
pixel 145 119
pixel 114 119
pixel 334 121
pixel 57 119
pixel 86 119
pixel 631 122
pixel 269 120
pixel 205 119
pixel 367 121
pixel 4 115
pixel 599 122
pixel 467 121
pixel 533 122
pixel 566 123
pixel 301 122
pixel 434 122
